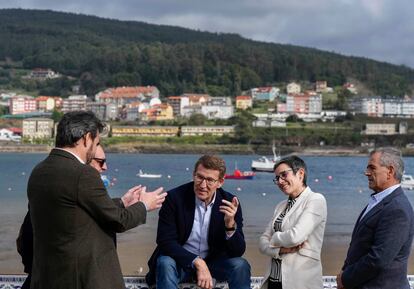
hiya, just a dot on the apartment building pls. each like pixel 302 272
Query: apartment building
pixel 265 93
pixel 75 102
pixel 21 104
pixel 37 128
pixel 206 130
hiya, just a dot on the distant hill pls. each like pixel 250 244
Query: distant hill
pixel 104 52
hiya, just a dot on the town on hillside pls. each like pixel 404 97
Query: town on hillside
pixel 141 111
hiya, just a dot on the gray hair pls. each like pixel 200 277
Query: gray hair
pixel 390 156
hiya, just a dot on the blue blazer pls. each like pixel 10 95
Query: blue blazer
pixel 175 222
pixel 380 246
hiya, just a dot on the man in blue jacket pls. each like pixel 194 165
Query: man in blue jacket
pixel 381 241
pixel 200 234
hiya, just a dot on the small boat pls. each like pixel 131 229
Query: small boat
pixel 239 175
pixel 264 164
pixel 407 182
pixel 141 174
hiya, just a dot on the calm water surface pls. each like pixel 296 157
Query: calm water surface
pixel 339 179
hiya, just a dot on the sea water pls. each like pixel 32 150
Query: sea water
pixel 339 179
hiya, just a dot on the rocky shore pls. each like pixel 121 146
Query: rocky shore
pixel 230 149
pixel 178 148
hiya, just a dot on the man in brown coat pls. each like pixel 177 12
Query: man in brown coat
pixel 24 242
pixel 72 215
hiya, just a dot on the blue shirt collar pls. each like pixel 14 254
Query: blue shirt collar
pixel 381 195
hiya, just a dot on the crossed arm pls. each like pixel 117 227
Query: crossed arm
pixel 274 244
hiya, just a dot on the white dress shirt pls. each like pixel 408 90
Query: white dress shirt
pixel 79 159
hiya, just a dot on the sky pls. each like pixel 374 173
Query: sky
pixel 378 29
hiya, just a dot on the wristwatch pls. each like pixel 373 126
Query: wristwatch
pixel 231 228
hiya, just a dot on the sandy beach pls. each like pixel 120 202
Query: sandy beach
pixel 134 254
pixel 333 255
pixel 135 248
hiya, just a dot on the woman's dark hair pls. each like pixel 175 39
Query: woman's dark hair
pixel 295 163
pixel 75 125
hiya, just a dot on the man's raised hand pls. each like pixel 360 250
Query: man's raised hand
pixel 153 200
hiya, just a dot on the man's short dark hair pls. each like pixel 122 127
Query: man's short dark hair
pixel 212 162
pixel 295 163
pixel 75 125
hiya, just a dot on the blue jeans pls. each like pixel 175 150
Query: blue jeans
pixel 236 271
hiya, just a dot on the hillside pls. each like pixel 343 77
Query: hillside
pixel 104 52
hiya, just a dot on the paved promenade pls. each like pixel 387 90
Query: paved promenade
pixel 15 281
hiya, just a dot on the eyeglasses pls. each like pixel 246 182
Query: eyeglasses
pixel 283 175
pixel 200 179
pixel 101 162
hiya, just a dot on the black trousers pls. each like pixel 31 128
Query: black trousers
pixel 26 284
pixel 274 285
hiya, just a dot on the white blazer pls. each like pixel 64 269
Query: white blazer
pixel 305 222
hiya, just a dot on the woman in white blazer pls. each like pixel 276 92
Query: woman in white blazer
pixel 293 238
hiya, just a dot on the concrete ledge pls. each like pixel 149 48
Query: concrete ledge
pixel 138 282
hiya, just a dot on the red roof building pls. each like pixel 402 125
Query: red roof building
pixel 127 94
pixel 244 102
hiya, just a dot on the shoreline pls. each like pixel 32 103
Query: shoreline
pixel 24 148
pixel 155 148
pixel 234 149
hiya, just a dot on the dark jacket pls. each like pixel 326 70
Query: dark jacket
pixel 175 222
pixel 24 243
pixel 380 246
pixel 73 221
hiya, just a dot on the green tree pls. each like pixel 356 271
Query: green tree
pixel 343 96
pixel 244 132
pixel 3 110
pixel 57 115
pixel 102 52
pixel 197 119
pixel 90 83
pixel 293 118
